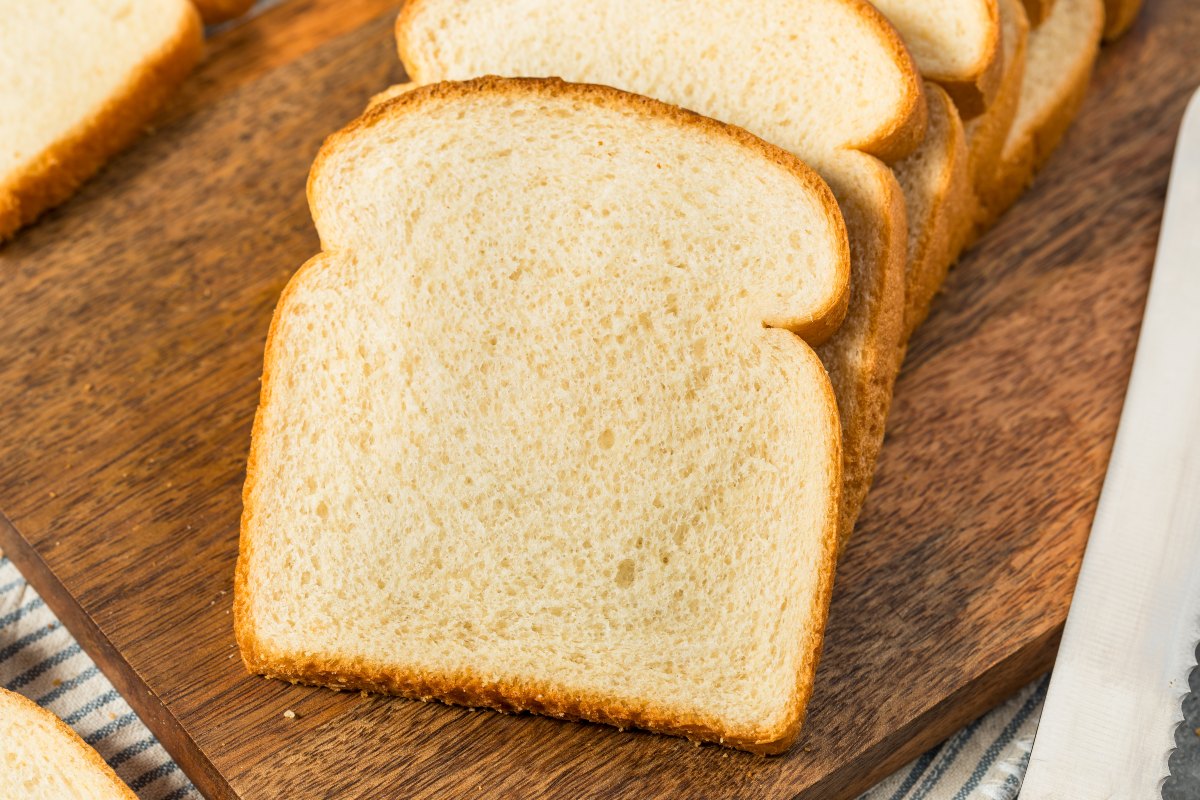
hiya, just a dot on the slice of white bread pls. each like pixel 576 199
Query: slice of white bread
pixel 937 190
pixel 956 43
pixel 1058 67
pixel 1119 16
pixel 220 10
pixel 782 69
pixel 79 79
pixel 42 759
pixel 525 438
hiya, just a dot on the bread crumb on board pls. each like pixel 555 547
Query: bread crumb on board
pixel 289 714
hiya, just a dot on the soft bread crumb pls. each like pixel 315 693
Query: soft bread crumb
pixel 534 448
pixel 797 62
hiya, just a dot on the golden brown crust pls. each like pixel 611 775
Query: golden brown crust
pixel 815 329
pixel 1119 15
pixel 539 697
pixel 404 20
pixel 900 136
pixel 1037 11
pixel 986 134
pixel 64 165
pixel 883 243
pixel 1026 150
pixel 22 705
pixel 213 11
pixel 974 93
pixel 935 245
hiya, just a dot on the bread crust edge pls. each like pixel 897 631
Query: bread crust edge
pixel 939 242
pixel 893 139
pixel 25 705
pixel 1020 163
pixel 974 90
pixel 58 171
pixel 815 328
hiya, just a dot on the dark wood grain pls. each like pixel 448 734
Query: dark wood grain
pixel 132 321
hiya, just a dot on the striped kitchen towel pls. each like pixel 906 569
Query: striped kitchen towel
pixel 984 761
pixel 41 660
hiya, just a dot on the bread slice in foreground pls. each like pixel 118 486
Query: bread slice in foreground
pixel 524 439
pixel 43 759
pixel 797 62
pixel 79 79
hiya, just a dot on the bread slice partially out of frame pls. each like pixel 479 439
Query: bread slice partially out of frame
pixel 527 439
pixel 1058 68
pixel 79 80
pixel 221 10
pixel 790 88
pixel 956 43
pixel 42 759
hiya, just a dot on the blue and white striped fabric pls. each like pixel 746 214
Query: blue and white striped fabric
pixel 41 660
pixel 984 761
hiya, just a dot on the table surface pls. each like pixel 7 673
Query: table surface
pixel 139 309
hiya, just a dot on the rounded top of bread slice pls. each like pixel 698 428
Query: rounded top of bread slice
pixel 955 43
pixel 43 759
pixel 802 289
pixel 859 86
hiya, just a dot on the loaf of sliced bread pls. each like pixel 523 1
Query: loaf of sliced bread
pixel 79 79
pixel 797 62
pixel 1058 67
pixel 956 43
pixel 532 433
pixel 43 759
pixel 221 10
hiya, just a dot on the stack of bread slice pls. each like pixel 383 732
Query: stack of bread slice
pixel 584 394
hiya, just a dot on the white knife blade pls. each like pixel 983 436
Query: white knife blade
pixel 1115 696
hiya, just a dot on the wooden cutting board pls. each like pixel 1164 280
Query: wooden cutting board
pixel 132 323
